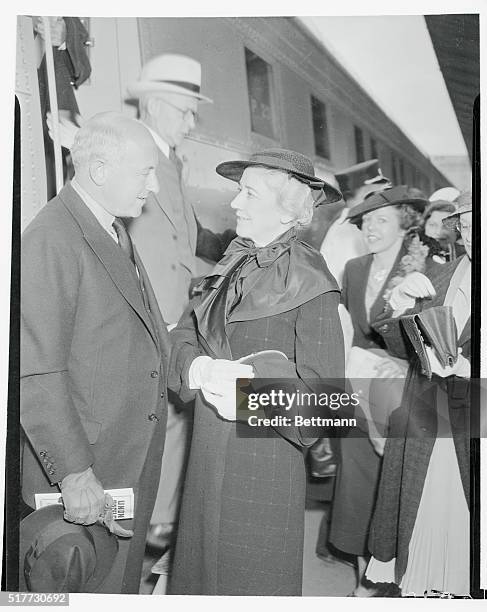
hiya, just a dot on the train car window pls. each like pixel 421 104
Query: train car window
pixel 374 151
pixel 394 170
pixel 320 128
pixel 401 172
pixel 259 79
pixel 359 145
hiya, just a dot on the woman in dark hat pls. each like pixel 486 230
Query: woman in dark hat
pixel 242 517
pixel 389 221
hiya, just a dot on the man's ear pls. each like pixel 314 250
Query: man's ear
pixel 98 171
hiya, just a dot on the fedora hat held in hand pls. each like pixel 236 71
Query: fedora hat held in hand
pixel 60 557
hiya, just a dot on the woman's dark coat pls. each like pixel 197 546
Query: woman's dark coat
pixel 412 434
pixel 242 518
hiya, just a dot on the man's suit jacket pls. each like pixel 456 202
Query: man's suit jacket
pixel 93 362
pixel 168 236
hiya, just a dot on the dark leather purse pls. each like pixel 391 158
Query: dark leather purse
pixel 433 327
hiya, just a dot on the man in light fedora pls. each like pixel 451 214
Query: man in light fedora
pixel 169 236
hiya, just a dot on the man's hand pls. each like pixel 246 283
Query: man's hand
pixel 83 497
pixel 67 129
pixel 107 520
pixel 404 295
pixel 58 30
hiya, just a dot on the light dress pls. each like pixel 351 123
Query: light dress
pixel 439 549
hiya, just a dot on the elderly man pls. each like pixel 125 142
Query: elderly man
pixel 169 236
pixel 94 347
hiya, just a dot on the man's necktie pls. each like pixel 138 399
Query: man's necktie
pixel 125 243
pixel 176 161
pixel 124 240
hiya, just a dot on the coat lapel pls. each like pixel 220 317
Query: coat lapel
pixel 116 264
pixel 168 178
pixel 379 304
pixel 360 285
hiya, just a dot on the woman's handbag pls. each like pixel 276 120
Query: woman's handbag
pixel 433 327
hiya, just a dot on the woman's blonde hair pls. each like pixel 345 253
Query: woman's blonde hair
pixel 294 196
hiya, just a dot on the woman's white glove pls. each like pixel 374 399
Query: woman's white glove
pixel 461 367
pixel 216 379
pixel 404 295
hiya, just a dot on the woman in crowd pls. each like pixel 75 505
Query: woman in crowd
pixel 242 518
pixel 420 531
pixel 439 237
pixel 389 221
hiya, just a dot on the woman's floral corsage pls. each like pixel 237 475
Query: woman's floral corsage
pixel 413 261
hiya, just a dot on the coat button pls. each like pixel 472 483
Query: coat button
pixel 154 374
pixel 162 394
pixel 384 328
pixel 153 417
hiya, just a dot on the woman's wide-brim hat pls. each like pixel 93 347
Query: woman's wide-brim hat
pixel 60 557
pixel 169 73
pixel 293 163
pixel 392 196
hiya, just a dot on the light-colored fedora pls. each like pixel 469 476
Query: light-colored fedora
pixel 169 73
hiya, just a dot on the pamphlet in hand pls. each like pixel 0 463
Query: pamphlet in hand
pixel 123 502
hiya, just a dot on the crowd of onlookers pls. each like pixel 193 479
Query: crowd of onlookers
pixel 401 485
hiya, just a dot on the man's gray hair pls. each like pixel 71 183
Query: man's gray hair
pixel 101 137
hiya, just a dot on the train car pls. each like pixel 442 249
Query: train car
pixel 272 84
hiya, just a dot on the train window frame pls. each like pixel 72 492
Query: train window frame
pixel 359 150
pixel 401 171
pixel 374 147
pixel 394 173
pixel 260 137
pixel 323 139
